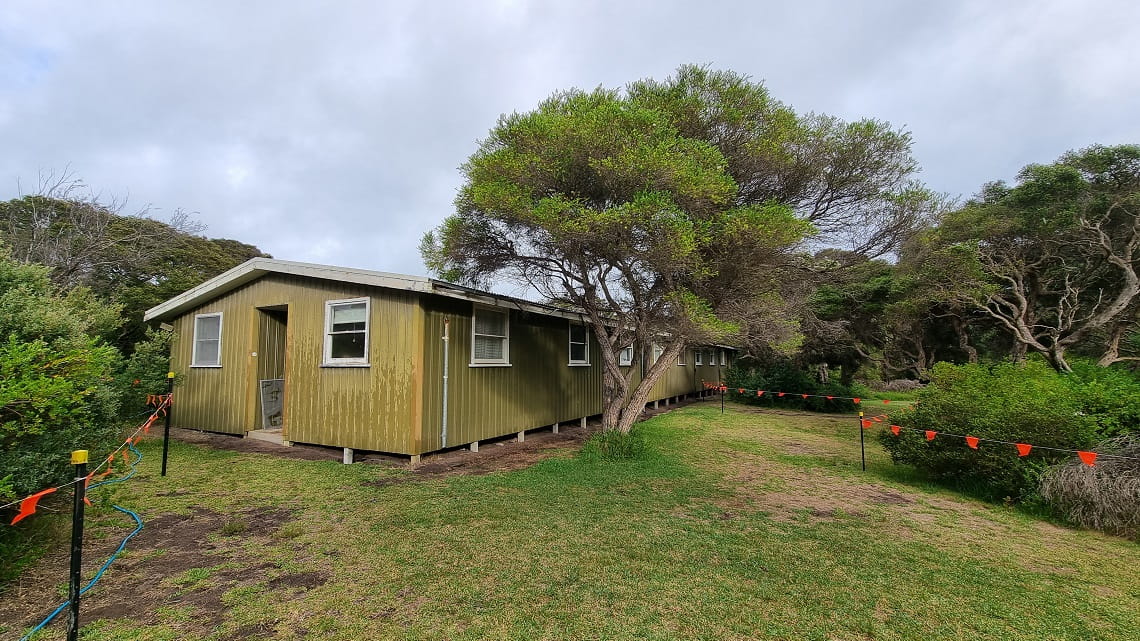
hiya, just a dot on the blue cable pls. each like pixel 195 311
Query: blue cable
pixel 115 555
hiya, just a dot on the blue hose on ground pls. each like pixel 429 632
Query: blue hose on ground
pixel 115 555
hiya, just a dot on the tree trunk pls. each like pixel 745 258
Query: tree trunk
pixel 1056 358
pixel 1018 352
pixel 963 333
pixel 824 375
pixel 628 411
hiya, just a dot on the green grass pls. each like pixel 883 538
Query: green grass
pixel 743 525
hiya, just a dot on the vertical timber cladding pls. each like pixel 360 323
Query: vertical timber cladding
pixel 359 407
pixel 538 389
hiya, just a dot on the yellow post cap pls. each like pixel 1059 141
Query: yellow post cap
pixel 78 456
pixel 170 375
pixel 860 413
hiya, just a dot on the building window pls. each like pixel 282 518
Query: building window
pixel 724 357
pixel 625 358
pixel 207 341
pixel 657 352
pixel 681 357
pixel 579 345
pixel 490 330
pixel 700 353
pixel 346 332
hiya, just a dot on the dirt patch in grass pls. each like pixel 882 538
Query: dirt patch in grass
pixel 236 443
pixel 176 561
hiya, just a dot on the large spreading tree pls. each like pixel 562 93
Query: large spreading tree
pixel 673 213
pixel 1055 259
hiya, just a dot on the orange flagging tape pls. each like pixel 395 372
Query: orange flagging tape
pixel 1023 449
pixel 895 429
pixel 1088 458
pixel 972 441
pixel 930 435
pixel 867 424
pixel 759 392
pixel 28 505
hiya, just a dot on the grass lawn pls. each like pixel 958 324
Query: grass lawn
pixel 751 524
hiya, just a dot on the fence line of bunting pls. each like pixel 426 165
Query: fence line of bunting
pixel 1023 449
pixel 28 504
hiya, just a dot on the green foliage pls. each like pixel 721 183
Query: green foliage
pixel 144 371
pixel 57 389
pixel 1024 403
pixel 615 445
pixel 1109 396
pixel 784 376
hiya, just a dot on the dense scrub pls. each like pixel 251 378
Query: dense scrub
pixel 786 377
pixel 1026 403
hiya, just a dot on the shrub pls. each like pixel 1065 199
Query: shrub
pixel 615 445
pixel 1027 403
pixel 1110 396
pixel 1103 497
pixel 57 390
pixel 148 366
pixel 785 377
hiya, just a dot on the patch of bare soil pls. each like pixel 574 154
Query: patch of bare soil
pixel 148 577
pixel 789 494
pixel 235 443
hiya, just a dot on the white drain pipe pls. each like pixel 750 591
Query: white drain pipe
pixel 446 338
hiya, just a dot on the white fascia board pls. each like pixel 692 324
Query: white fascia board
pixel 255 268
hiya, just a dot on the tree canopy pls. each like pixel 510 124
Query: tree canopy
pixel 672 213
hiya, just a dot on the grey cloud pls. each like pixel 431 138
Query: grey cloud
pixel 333 132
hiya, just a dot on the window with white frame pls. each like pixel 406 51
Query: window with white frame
pixel 724 357
pixel 346 332
pixel 657 352
pixel 625 357
pixel 490 337
pixel 699 356
pixel 579 345
pixel 207 341
pixel 681 358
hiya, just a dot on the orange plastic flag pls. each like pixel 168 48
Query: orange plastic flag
pixel 1088 458
pixel 759 392
pixel 830 398
pixel 886 401
pixel 779 393
pixel 895 430
pixel 1023 449
pixel 972 441
pixel 856 400
pixel 804 395
pixel 930 435
pixel 28 505
pixel 740 391
pixel 867 424
pixel 86 482
pixel 876 419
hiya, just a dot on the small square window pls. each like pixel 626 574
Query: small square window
pixel 625 357
pixel 207 350
pixel 579 345
pixel 490 337
pixel 346 332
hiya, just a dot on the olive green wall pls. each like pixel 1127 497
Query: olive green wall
pixel 370 408
pixel 395 404
pixel 539 388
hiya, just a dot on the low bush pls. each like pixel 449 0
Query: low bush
pixel 1026 403
pixel 615 445
pixel 785 377
pixel 1103 497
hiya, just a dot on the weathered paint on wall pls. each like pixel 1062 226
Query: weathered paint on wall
pixel 538 388
pixel 274 328
pixel 367 408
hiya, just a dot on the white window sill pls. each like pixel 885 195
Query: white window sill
pixel 577 364
pixel 335 365
pixel 489 365
pixel 206 367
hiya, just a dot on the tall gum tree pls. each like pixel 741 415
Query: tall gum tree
pixel 672 213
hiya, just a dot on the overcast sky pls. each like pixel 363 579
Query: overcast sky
pixel 332 131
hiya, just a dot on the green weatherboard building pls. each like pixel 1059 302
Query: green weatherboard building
pixel 356 359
